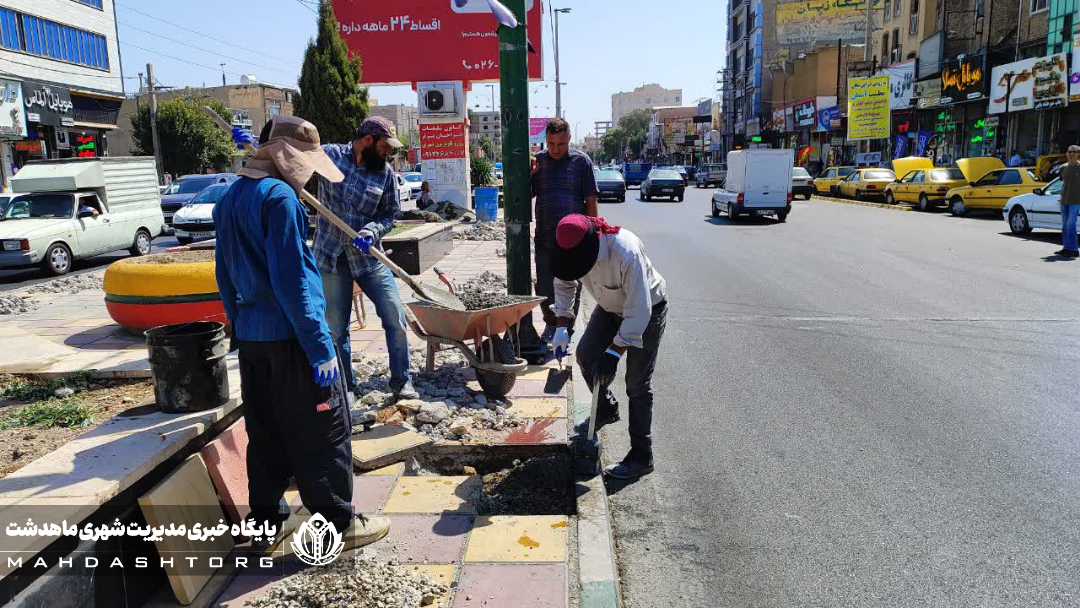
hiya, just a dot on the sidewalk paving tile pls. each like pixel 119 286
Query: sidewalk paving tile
pixel 430 539
pixel 452 494
pixel 511 586
pixel 369 447
pixel 88 322
pixel 393 470
pixel 442 574
pixel 538 407
pixel 537 388
pixel 370 492
pixel 537 431
pixel 518 538
pixel 226 461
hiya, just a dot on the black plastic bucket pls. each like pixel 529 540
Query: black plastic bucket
pixel 187 362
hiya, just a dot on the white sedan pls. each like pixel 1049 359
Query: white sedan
pixel 1039 209
pixel 404 190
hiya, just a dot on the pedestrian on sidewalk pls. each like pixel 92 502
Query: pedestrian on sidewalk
pixel 367 200
pixel 425 199
pixel 297 419
pixel 563 183
pixel 1015 160
pixel 1070 202
pixel 628 322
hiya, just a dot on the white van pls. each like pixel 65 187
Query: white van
pixel 74 208
pixel 758 183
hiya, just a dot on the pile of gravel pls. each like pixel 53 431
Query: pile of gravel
pixel 72 284
pixel 416 214
pixel 14 305
pixel 447 408
pixel 353 581
pixel 487 290
pixel 480 231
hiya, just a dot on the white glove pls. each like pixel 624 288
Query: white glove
pixel 327 373
pixel 561 342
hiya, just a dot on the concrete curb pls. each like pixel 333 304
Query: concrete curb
pixel 597 571
pixel 896 207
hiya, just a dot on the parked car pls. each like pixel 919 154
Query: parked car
pixel 195 220
pixel 801 183
pixel 681 170
pixel 73 208
pixel 827 182
pixel 182 190
pixel 498 170
pixel 663 182
pixel 611 185
pixel 861 184
pixel 1041 208
pixel 993 189
pixel 635 173
pixel 711 175
pixel 5 199
pixel 415 181
pixel 404 190
pixel 922 183
pixel 758 183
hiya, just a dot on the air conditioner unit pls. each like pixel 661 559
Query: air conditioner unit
pixel 440 98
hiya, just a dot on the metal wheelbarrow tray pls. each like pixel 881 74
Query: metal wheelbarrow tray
pixel 440 326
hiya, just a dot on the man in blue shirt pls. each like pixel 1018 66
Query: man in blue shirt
pixel 297 418
pixel 367 200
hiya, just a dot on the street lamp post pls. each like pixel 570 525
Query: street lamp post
pixel 558 80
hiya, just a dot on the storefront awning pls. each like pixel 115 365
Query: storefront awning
pixel 95 125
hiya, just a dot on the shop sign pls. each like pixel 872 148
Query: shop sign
pixel 805 114
pixel 901 78
pixel 48 105
pixel 1074 74
pixel 903 126
pixel 1037 83
pixel 34 147
pixel 777 120
pixel 442 141
pixel 868 108
pixel 963 79
pixel 85 145
pixel 927 92
pixel 62 142
pixel 12 115
pixel 829 118
pixel 868 158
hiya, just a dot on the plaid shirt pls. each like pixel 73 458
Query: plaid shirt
pixel 363 199
pixel 561 187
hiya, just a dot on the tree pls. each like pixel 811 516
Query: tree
pixel 485 145
pixel 482 171
pixel 331 97
pixel 190 141
pixel 631 132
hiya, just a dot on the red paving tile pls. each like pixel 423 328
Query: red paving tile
pixel 226 461
pixel 370 492
pixel 511 586
pixel 537 431
pixel 432 539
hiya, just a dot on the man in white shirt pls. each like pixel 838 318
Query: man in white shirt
pixel 629 321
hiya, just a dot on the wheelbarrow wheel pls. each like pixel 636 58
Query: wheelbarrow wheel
pixel 496 384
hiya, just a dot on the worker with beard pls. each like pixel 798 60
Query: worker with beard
pixel 296 415
pixel 367 200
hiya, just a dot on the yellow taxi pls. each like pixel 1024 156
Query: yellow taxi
pixel 866 183
pixel 829 178
pixel 922 183
pixel 991 185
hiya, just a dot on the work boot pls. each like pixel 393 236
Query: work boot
pixel 407 391
pixel 1071 253
pixel 269 545
pixel 631 467
pixel 365 530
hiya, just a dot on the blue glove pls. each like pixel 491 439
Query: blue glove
pixel 605 367
pixel 561 342
pixel 364 241
pixel 327 373
pixel 241 137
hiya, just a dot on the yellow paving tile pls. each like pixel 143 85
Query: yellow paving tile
pixel 518 538
pixel 538 407
pixel 442 574
pixel 433 494
pixel 88 322
pixel 542 372
pixel 381 442
pixel 395 469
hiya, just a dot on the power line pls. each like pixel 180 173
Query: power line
pixel 59 71
pixel 301 2
pixel 159 53
pixel 242 48
pixel 206 51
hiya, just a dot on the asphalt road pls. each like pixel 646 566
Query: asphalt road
pixel 17 278
pixel 858 407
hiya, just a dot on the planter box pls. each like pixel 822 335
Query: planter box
pixel 422 247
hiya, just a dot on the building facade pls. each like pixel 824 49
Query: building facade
pixel 406 120
pixel 645 97
pixel 490 124
pixel 61 80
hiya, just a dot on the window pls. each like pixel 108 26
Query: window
pixel 93 3
pixel 53 40
pixel 989 179
pixel 1009 178
pixel 896 53
pixel 885 48
pixel 274 107
pixel 1039 5
pixel 910 177
pixel 888 8
pixel 913 28
pixel 920 177
pixel 1054 188
pixel 830 173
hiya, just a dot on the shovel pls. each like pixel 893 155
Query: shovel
pixel 588 447
pixel 439 297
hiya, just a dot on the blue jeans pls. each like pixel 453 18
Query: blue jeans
pixel 377 283
pixel 1068 226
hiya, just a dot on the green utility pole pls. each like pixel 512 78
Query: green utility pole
pixel 517 187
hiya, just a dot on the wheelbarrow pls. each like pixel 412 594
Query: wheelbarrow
pixel 490 354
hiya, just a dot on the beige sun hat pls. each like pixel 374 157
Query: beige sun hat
pixel 294 149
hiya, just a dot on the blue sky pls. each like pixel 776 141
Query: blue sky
pixel 606 46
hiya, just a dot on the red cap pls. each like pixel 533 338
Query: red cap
pixel 571 230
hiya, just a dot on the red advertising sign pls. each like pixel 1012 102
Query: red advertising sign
pixel 406 41
pixel 441 141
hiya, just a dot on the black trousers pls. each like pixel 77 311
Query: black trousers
pixel 544 249
pixel 640 365
pixel 288 435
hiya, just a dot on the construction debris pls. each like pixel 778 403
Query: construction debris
pixel 354 581
pixel 71 284
pixel 480 231
pixel 416 214
pixel 14 305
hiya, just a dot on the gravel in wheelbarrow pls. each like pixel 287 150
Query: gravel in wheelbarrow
pixel 484 300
